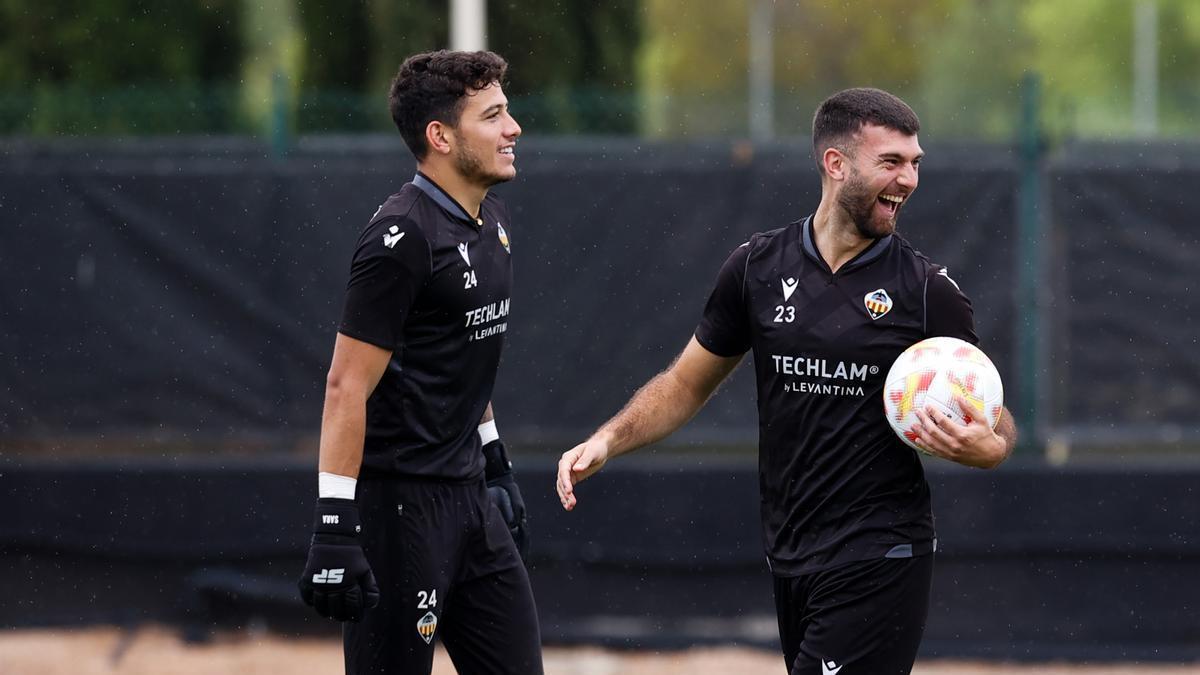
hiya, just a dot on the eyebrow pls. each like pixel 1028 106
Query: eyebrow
pixel 495 107
pixel 896 155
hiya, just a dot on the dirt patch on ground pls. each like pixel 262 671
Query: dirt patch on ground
pixel 159 651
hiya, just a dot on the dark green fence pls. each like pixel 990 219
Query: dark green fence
pixel 228 109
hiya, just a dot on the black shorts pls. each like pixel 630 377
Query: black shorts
pixel 863 618
pixel 448 570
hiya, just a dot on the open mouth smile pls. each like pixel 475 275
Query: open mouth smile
pixel 891 203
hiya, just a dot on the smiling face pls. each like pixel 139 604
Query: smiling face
pixel 485 138
pixel 881 174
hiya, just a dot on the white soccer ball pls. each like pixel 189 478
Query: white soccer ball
pixel 930 373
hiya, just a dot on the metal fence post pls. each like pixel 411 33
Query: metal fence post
pixel 278 131
pixel 1030 267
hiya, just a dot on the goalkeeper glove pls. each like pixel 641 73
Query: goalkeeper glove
pixel 337 579
pixel 503 490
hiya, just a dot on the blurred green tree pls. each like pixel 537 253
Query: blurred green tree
pixel 693 78
pixel 105 66
pixel 116 42
pixel 1084 50
pixel 273 42
pixel 692 67
pixel 959 62
pixel 571 64
pixel 337 45
pixel 973 59
pixel 351 52
pixel 668 68
pixel 335 65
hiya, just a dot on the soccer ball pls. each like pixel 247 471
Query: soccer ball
pixel 930 373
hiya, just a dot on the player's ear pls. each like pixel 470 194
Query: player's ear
pixel 439 137
pixel 835 162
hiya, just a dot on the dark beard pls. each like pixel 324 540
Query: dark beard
pixel 858 203
pixel 470 167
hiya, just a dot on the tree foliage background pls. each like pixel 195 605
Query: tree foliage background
pixel 667 68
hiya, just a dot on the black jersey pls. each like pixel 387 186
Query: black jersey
pixel 431 284
pixel 837 485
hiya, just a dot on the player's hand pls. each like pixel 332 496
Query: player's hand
pixel 972 444
pixel 505 494
pixel 337 579
pixel 577 464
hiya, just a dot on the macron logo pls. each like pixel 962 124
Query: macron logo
pixel 391 237
pixel 789 287
pixel 333 576
pixel 329 520
pixel 830 668
pixel 462 250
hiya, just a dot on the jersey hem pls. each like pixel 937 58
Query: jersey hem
pixel 787 569
pixel 370 473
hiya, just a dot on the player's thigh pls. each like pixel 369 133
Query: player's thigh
pixel 410 553
pixel 491 619
pixel 866 618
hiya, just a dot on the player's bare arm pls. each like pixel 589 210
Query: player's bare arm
pixel 355 370
pixel 663 405
pixel 973 444
pixel 488 415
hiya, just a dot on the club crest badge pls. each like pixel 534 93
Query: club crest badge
pixel 503 236
pixel 878 303
pixel 427 626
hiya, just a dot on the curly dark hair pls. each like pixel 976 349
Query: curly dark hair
pixel 433 86
pixel 841 116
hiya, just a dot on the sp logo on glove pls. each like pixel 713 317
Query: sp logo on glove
pixel 337 580
pixel 329 576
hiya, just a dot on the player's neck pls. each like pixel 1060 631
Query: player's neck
pixel 468 195
pixel 835 236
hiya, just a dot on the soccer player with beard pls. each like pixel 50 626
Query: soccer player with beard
pixel 419 524
pixel 826 304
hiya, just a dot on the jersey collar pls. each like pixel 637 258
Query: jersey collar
pixel 865 257
pixel 437 194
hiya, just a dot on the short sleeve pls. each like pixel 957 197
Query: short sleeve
pixel 724 328
pixel 389 269
pixel 948 311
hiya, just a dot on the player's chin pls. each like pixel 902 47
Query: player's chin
pixel 501 176
pixel 506 168
pixel 882 226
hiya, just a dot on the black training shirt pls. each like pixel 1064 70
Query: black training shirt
pixel 431 284
pixel 837 485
